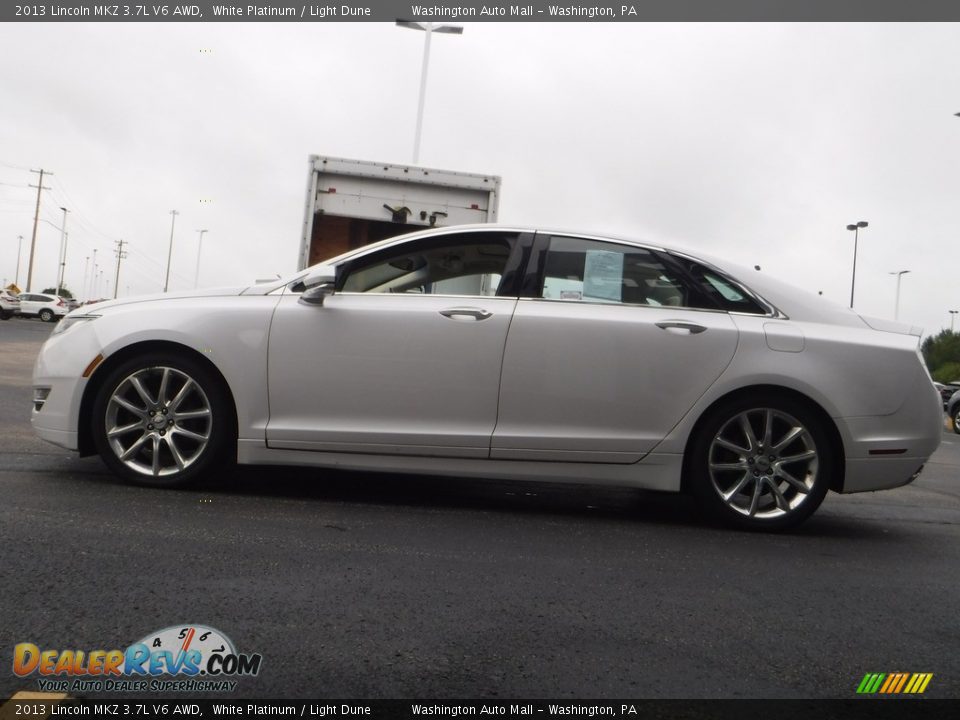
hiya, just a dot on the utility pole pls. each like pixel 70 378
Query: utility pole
pixel 36 220
pixel 92 295
pixel 86 268
pixel 121 254
pixel 62 259
pixel 196 274
pixel 173 220
pixel 19 246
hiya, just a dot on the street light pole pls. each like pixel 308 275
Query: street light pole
pixel 856 236
pixel 953 314
pixel 173 220
pixel 896 306
pixel 428 29
pixel 196 274
pixel 19 247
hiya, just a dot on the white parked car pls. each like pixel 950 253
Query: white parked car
pixel 9 305
pixel 47 307
pixel 510 353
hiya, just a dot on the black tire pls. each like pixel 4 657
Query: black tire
pixel 956 419
pixel 47 315
pixel 754 477
pixel 167 431
pixel 4 315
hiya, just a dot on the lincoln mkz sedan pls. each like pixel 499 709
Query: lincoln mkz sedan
pixel 498 352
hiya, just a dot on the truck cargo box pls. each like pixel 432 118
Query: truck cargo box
pixel 351 203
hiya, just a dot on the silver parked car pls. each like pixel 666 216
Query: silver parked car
pixel 504 352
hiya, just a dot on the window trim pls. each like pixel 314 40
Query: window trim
pixel 769 310
pixel 532 285
pixel 534 279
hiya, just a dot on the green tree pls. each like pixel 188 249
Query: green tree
pixel 63 292
pixel 942 354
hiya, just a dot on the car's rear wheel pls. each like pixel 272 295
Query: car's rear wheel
pixel 46 315
pixel 956 419
pixel 5 315
pixel 162 421
pixel 762 463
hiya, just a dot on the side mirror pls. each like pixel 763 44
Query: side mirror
pixel 320 282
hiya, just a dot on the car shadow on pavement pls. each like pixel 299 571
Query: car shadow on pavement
pixel 481 494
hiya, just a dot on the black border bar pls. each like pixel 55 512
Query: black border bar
pixel 471 11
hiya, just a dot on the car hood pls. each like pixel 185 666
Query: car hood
pixel 96 308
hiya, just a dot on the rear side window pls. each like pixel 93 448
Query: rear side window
pixel 581 270
pixel 720 290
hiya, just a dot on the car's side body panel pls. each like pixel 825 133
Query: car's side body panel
pixel 387 373
pixel 231 332
pixel 594 382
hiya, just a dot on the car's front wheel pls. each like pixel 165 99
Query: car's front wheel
pixel 46 315
pixel 762 463
pixel 162 420
pixel 956 419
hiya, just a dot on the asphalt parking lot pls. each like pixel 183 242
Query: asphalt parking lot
pixel 368 586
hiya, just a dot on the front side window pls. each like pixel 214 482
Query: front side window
pixel 463 264
pixel 582 270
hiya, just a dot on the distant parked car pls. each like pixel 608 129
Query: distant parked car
pixel 953 410
pixel 9 305
pixel 947 390
pixel 47 307
pixel 944 391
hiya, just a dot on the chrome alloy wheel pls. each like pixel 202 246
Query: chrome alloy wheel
pixel 158 421
pixel 763 463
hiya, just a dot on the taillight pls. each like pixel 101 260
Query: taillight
pixel 60 303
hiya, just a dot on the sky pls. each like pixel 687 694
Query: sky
pixel 754 142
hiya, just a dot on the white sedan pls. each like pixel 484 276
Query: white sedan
pixel 503 352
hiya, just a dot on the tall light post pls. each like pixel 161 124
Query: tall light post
pixel 19 247
pixel 428 30
pixel 196 274
pixel 93 278
pixel 953 314
pixel 856 236
pixel 173 220
pixel 896 305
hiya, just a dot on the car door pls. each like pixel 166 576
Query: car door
pixel 404 358
pixel 606 353
pixel 30 304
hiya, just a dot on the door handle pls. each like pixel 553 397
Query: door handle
pixel 475 313
pixel 692 328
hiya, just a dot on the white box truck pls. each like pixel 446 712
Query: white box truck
pixel 351 203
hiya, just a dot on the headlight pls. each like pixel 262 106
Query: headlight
pixel 70 320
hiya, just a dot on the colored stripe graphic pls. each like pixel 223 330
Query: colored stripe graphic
pixel 871 683
pixel 894 683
